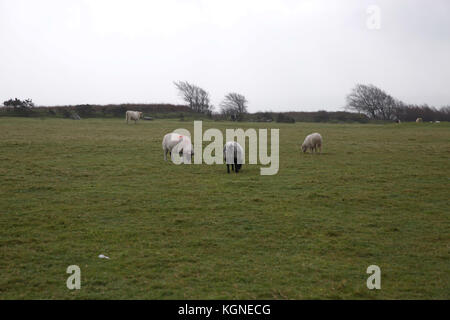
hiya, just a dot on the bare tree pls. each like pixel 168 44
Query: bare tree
pixel 17 103
pixel 234 105
pixel 196 97
pixel 373 102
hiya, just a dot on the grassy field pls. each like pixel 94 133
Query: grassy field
pixel 71 190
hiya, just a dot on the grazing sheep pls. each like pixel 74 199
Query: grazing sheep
pixel 418 120
pixel 133 115
pixel 178 143
pixel 233 155
pixel 312 142
pixel 398 121
pixel 437 121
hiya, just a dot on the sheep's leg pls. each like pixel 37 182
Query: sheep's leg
pixel 165 154
pixel 232 167
pixel 228 168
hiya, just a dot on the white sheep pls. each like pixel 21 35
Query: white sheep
pixel 233 155
pixel 313 142
pixel 179 144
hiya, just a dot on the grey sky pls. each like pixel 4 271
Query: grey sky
pixel 282 55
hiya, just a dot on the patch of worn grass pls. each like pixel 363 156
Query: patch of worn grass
pixel 70 190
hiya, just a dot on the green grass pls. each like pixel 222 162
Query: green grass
pixel 71 190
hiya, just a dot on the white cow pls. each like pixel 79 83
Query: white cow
pixel 133 115
pixel 177 143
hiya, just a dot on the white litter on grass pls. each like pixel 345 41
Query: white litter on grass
pixel 102 256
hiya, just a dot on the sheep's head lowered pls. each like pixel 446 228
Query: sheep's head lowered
pixel 304 148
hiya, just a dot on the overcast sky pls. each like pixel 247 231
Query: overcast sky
pixel 282 55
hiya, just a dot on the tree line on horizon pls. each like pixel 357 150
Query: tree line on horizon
pixel 364 103
pixel 369 101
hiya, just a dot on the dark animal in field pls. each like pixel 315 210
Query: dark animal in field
pixel 233 155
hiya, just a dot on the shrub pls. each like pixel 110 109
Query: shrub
pixel 282 117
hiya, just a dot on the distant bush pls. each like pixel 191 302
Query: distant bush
pixel 66 113
pixel 283 117
pixel 264 117
pixel 21 108
pixel 329 116
pixel 85 111
pixel 118 111
pixel 17 103
pixel 321 116
pixel 318 116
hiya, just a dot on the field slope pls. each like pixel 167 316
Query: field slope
pixel 71 190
